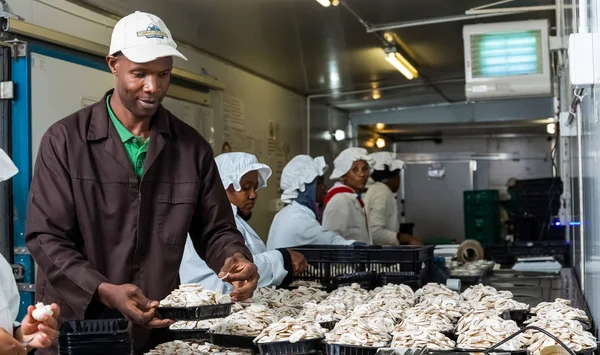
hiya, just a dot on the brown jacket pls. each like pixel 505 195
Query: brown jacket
pixel 91 220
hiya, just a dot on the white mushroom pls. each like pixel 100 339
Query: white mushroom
pixel 290 329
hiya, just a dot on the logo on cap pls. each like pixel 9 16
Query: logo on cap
pixel 152 31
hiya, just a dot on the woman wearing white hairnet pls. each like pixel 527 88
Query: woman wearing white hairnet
pixel 344 207
pixel 381 204
pixel 296 224
pixel 242 176
pixel 31 333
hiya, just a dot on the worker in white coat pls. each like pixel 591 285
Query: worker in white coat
pixel 344 207
pixel 381 204
pixel 304 190
pixel 242 176
pixel 30 334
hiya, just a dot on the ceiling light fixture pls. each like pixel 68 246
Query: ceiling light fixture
pixel 399 62
pixel 327 3
pixel 339 135
pixel 376 95
pixel 380 143
pixel 551 128
pixel 380 126
pixel 388 37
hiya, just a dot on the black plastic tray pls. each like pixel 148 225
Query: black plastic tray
pixel 474 351
pixel 518 315
pixel 328 325
pixel 94 326
pixel 195 313
pixel 232 341
pixel 339 349
pixel 190 334
pixel 311 346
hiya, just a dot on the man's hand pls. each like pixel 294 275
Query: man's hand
pixel 242 274
pixel 299 263
pixel 10 345
pixel 38 334
pixel 405 239
pixel 132 303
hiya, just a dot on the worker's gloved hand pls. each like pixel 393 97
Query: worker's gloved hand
pixel 405 239
pixel 40 335
pixel 359 244
pixel 299 263
pixel 9 345
pixel 242 274
pixel 132 303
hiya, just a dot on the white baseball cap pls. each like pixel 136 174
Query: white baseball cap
pixel 142 38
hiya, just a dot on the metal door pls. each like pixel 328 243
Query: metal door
pixel 435 206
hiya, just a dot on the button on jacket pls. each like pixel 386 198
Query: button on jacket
pixel 92 220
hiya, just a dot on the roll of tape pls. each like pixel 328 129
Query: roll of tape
pixel 469 250
pixel 454 284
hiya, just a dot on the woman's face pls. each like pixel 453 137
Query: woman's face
pixel 245 199
pixel 357 177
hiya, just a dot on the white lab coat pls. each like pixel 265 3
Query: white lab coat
pixel 345 216
pixel 270 263
pixel 382 214
pixel 297 225
pixel 9 297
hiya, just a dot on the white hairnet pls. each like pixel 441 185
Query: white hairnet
pixel 7 167
pixel 343 163
pixel 233 166
pixel 386 158
pixel 301 170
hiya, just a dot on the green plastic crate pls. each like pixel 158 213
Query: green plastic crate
pixel 482 216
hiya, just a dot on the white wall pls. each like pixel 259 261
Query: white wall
pixel 263 101
pixel 493 174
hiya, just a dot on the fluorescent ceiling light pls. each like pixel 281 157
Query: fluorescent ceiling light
pixel 327 3
pixel 399 62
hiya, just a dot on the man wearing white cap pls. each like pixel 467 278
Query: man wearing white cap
pixel 297 224
pixel 118 186
pixel 344 207
pixel 381 204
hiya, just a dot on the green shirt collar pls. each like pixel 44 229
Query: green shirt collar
pixel 123 132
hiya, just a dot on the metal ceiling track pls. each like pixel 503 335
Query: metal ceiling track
pixel 471 14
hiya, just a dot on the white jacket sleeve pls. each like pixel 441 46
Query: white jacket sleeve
pixel 270 268
pixel 377 217
pixel 317 234
pixel 194 270
pixel 336 215
pixel 9 297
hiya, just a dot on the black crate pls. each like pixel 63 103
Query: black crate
pixel 329 261
pixel 310 346
pixel 399 278
pixel 340 349
pixel 366 279
pixel 391 259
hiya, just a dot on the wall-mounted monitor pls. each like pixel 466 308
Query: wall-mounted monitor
pixel 507 59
